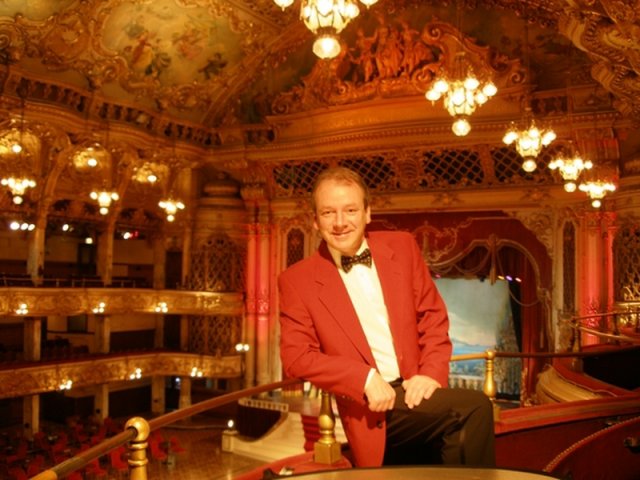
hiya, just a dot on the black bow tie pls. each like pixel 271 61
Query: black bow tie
pixel 364 258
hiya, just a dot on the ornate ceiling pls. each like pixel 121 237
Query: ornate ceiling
pixel 211 79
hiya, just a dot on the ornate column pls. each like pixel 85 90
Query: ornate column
pixel 262 304
pixel 32 352
pixel 185 392
pixel 101 402
pixel 159 261
pixel 158 337
pixel 251 306
pixel 35 258
pixel 609 230
pixel 102 333
pixel 158 399
pixel 590 261
pixel 104 263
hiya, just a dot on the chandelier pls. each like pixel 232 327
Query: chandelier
pixel 326 19
pixel 15 143
pixel 462 93
pixel 104 200
pixel 171 207
pixel 570 169
pixel 529 140
pixel 90 154
pixel 18 187
pixel 596 190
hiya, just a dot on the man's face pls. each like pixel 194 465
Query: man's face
pixel 341 216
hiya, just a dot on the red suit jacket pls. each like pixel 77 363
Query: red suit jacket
pixel 322 340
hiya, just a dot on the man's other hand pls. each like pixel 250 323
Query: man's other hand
pixel 380 395
pixel 418 388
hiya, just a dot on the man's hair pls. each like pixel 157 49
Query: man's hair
pixel 340 175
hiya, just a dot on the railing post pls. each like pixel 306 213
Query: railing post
pixel 138 449
pixel 327 449
pixel 489 388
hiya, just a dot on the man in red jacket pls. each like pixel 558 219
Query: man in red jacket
pixel 362 318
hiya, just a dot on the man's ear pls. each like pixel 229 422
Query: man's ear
pixel 367 214
pixel 315 222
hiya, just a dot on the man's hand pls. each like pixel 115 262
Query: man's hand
pixel 418 388
pixel 380 395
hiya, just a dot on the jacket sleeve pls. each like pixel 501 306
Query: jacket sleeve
pixel 311 354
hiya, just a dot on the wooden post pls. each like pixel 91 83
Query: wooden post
pixel 489 388
pixel 327 449
pixel 138 449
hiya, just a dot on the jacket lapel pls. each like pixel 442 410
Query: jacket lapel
pixel 334 296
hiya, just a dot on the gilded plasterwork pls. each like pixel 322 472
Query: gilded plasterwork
pixel 70 301
pixel 47 378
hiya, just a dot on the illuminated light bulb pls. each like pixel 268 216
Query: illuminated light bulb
pixel 461 127
pixel 326 46
pixel 529 165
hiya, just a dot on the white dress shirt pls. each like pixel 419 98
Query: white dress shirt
pixel 363 286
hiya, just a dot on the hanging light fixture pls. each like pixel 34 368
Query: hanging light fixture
pixel 13 146
pixel 326 19
pixel 462 90
pixel 18 187
pixel 570 167
pixel 90 154
pixel 528 137
pixel 462 93
pixel 104 200
pixel 596 190
pixel 171 207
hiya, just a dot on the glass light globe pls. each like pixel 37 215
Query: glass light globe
pixel 490 89
pixel 570 187
pixel 326 46
pixel 529 165
pixel 461 127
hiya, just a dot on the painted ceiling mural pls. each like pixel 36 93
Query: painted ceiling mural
pixel 224 61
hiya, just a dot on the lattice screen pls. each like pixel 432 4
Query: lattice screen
pixel 217 266
pixel 626 253
pixel 295 246
pixel 214 335
pixel 418 170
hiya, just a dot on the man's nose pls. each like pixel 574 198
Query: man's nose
pixel 340 219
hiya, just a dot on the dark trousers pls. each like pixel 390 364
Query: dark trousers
pixel 454 426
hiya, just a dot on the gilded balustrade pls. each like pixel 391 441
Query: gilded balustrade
pixel 96 370
pixel 73 301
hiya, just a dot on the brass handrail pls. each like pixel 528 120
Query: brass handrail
pixel 137 430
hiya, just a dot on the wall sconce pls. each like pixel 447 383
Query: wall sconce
pixel 24 226
pixel 136 374
pixel 196 372
pixel 242 347
pixel 65 384
pixel 99 309
pixel 22 309
pixel 161 307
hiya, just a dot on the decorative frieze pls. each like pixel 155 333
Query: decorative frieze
pixel 73 301
pixel 39 379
